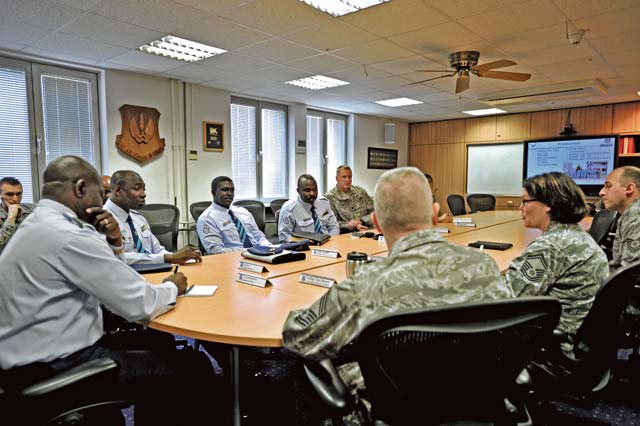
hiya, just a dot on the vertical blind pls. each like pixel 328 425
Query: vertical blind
pixel 243 150
pixel 68 118
pixel 314 150
pixel 15 157
pixel 336 145
pixel 274 153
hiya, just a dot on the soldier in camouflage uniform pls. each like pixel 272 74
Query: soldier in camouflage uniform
pixel 422 270
pixel 12 211
pixel 564 262
pixel 351 204
pixel 621 193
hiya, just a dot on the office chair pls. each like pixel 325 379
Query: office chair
pixel 197 208
pixel 163 219
pixel 481 202
pixel 586 370
pixel 256 208
pixel 443 364
pixel 603 230
pixel 456 204
pixel 83 395
pixel 276 204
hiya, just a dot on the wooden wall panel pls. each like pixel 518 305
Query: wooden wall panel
pixel 422 133
pixel 596 120
pixel 548 124
pixel 626 117
pixel 513 127
pixel 480 129
pixel 450 131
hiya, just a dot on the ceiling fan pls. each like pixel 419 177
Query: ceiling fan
pixel 465 64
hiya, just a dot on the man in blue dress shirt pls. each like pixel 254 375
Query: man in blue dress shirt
pixel 307 212
pixel 223 227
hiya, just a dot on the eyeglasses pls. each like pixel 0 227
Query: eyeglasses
pixel 525 201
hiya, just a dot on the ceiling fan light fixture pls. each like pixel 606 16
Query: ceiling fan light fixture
pixel 398 102
pixel 342 7
pixel 488 111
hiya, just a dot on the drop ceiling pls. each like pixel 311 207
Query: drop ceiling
pixel 377 50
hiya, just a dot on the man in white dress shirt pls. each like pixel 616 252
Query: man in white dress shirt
pixel 140 245
pixel 307 212
pixel 223 227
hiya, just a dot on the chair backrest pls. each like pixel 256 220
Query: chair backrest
pixel 481 202
pixel 601 223
pixel 276 204
pixel 163 219
pixel 597 340
pixel 256 208
pixel 456 204
pixel 197 208
pixel 464 356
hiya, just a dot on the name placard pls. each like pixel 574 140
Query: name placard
pixel 333 254
pixel 252 267
pixel 442 230
pixel 465 224
pixel 317 280
pixel 252 279
pixel 381 239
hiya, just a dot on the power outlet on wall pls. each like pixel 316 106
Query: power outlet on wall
pixel 193 154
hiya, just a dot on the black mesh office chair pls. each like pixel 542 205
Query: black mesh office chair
pixel 445 363
pixel 256 208
pixel 84 395
pixel 603 230
pixel 197 208
pixel 481 202
pixel 276 204
pixel 456 204
pixel 163 219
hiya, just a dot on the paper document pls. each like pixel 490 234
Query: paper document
pixel 200 290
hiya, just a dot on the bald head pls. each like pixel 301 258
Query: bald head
pixel 403 201
pixel 106 185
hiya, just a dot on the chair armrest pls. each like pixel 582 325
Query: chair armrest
pixel 326 381
pixel 84 371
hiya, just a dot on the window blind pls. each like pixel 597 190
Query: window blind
pixel 15 157
pixel 274 153
pixel 336 145
pixel 243 150
pixel 314 150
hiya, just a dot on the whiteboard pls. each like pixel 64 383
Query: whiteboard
pixel 495 169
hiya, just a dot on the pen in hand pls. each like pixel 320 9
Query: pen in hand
pixel 175 269
pixel 188 290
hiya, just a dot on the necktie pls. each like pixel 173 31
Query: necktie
pixel 317 228
pixel 137 243
pixel 241 231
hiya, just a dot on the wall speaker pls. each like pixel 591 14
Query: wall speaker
pixel 390 133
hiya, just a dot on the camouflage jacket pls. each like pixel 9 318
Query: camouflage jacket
pixel 355 204
pixel 566 263
pixel 626 246
pixel 6 229
pixel 422 270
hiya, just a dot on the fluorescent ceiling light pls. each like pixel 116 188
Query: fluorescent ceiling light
pixel 341 7
pixel 317 82
pixel 487 111
pixel 398 102
pixel 180 48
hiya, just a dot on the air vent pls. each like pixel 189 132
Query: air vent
pixel 574 89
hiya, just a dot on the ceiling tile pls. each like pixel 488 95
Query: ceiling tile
pixel 406 65
pixel 40 13
pixel 195 72
pixel 235 62
pixel 278 50
pixel 611 23
pixel 99 28
pixel 520 17
pixel 147 61
pixel 56 54
pixel 275 16
pixel 159 15
pixel 386 83
pixel 578 69
pixel 330 35
pixel 457 9
pixel 213 7
pixel 281 73
pixel 222 33
pixel 396 17
pixel 576 9
pixel 123 67
pixel 522 42
pixel 79 4
pixel 552 55
pixel 616 43
pixel 359 74
pixel 72 45
pixel 9 45
pixel 20 33
pixel 439 37
pixel 379 50
pixel 321 64
pixel 240 82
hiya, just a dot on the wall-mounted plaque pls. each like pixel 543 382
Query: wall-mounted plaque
pixel 212 133
pixel 139 137
pixel 380 158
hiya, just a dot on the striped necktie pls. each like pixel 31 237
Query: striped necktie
pixel 317 227
pixel 241 231
pixel 137 243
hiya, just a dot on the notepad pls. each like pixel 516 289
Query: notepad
pixel 200 290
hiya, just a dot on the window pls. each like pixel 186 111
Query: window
pixel 326 146
pixel 259 149
pixel 45 112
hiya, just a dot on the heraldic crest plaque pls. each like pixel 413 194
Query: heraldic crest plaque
pixel 140 138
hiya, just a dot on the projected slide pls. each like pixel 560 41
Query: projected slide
pixel 587 161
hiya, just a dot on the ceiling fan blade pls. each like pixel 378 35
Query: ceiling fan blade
pixel 493 65
pixel 503 75
pixel 433 70
pixel 429 79
pixel 462 83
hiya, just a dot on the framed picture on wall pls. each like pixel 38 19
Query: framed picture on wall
pixel 213 136
pixel 380 158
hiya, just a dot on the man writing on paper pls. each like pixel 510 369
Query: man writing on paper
pixel 307 212
pixel 223 227
pixel 422 270
pixel 12 211
pixel 140 245
pixel 351 204
pixel 621 193
pixel 64 264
